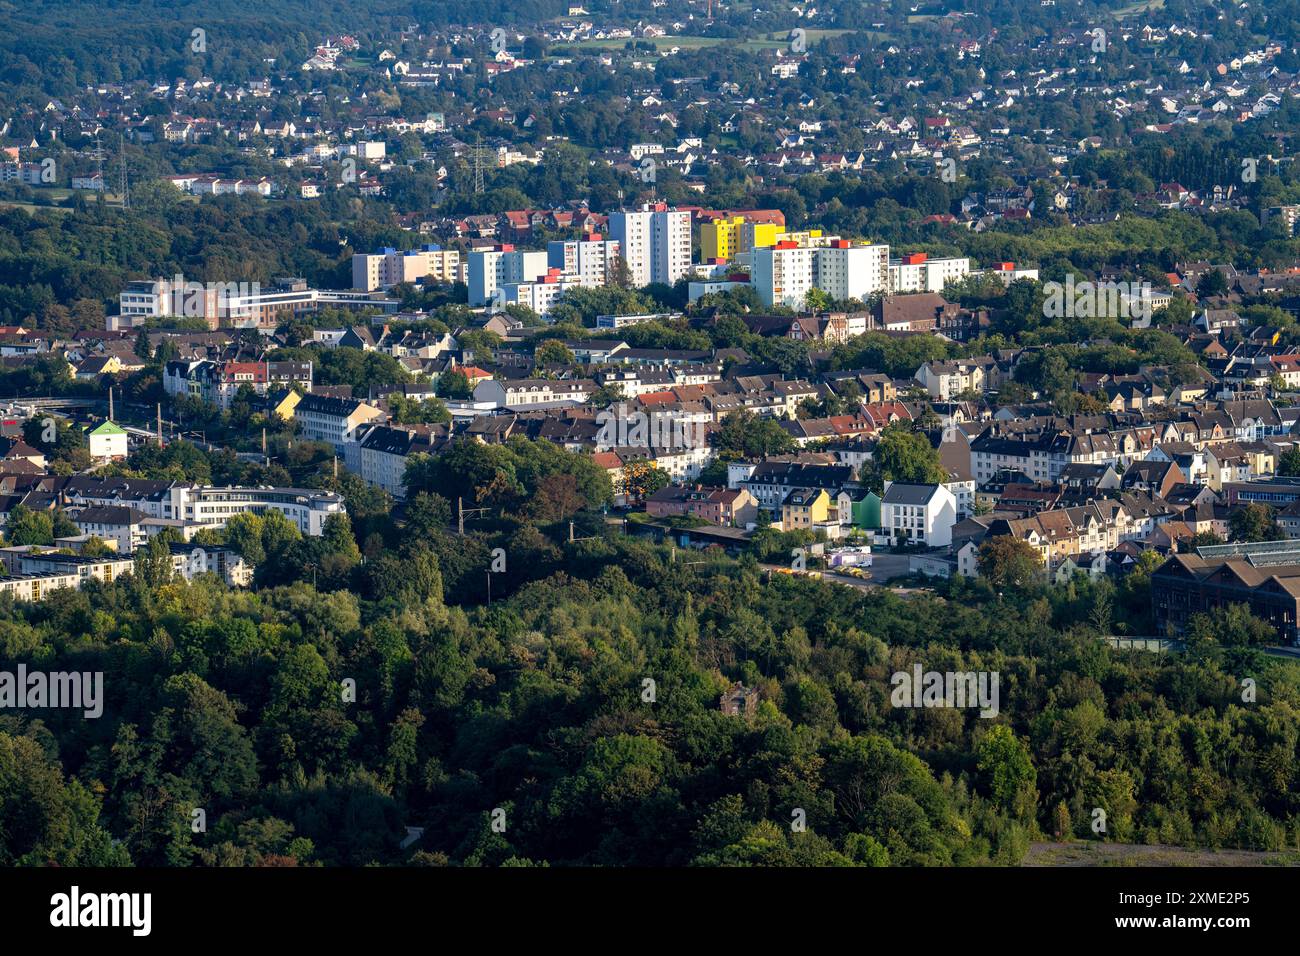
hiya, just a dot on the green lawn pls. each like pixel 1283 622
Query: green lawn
pixel 771 41
pixel 31 206
pixel 1140 7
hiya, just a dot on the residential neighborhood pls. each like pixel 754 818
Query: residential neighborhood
pixel 445 440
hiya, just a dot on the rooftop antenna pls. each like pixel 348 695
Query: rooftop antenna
pixel 110 404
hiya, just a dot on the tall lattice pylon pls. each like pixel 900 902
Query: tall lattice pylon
pixel 123 182
pixel 477 152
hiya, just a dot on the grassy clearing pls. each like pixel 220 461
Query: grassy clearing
pixel 770 41
pixel 1085 853
pixel 31 206
pixel 1143 6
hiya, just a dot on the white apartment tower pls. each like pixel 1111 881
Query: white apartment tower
pixel 541 294
pixel 919 273
pixel 783 274
pixel 388 267
pixel 489 269
pixel 590 260
pixel 845 271
pixel 655 242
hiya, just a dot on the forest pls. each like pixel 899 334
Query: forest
pixel 369 683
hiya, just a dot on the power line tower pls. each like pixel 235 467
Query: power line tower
pixel 123 184
pixel 99 168
pixel 479 156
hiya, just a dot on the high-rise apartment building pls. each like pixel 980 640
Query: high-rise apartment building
pixel 919 273
pixel 654 241
pixel 388 267
pixel 847 271
pixel 783 274
pixel 489 269
pixel 591 259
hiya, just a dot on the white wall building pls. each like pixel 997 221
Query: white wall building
pixel 845 271
pixel 654 241
pixel 381 453
pixel 191 560
pixel 541 294
pixel 923 514
pixel 333 420
pixel 1008 273
pixel 920 273
pixel 534 392
pixel 963 491
pixel 107 441
pixel 306 508
pixel 784 273
pixel 121 526
pixel 388 267
pixel 712 286
pixel 590 260
pixel 489 269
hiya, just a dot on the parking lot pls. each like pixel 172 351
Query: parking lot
pixel 884 567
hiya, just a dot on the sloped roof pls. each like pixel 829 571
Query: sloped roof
pixel 108 428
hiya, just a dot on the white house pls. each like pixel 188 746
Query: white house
pixel 921 513
pixel 968 556
pixel 534 392
pixel 947 379
pixel 333 420
pixel 108 441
